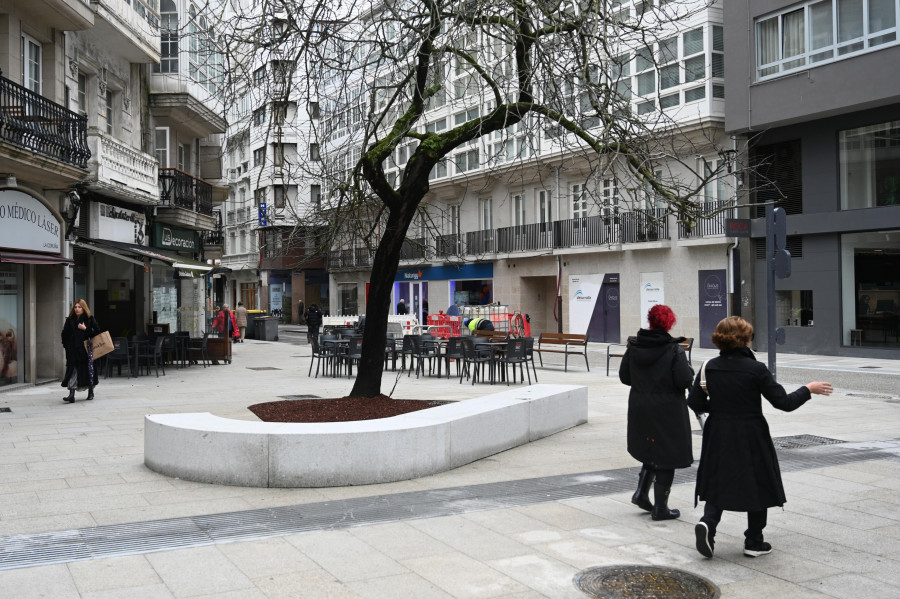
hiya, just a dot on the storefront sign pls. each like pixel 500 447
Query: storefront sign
pixel 26 224
pixel 119 224
pixel 713 305
pixel 445 273
pixel 167 237
pixel 594 306
pixel 737 227
pixel 652 292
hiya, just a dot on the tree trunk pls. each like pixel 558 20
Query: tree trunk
pixel 378 305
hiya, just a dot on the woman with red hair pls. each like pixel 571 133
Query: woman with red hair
pixel 659 429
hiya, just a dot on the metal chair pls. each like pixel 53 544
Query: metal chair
pixel 319 357
pixel 353 355
pixel 454 351
pixel 476 356
pixel 515 354
pixel 423 349
pixel 529 354
pixel 200 351
pixel 121 353
pixel 153 352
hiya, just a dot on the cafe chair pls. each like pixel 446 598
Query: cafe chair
pixel 515 355
pixel 475 357
pixel 320 358
pixel 423 349
pixel 529 354
pixel 152 352
pixel 121 353
pixel 200 351
pixel 354 354
pixel 454 351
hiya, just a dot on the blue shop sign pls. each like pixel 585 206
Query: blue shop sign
pixel 446 273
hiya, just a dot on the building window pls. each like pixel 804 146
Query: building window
pixel 545 206
pixel 438 170
pixel 315 195
pixel 31 63
pixel 259 197
pixel 869 166
pixel 259 76
pixel 486 213
pixel 168 38
pixel 182 157
pixel 716 189
pixel 466 161
pixel 259 116
pixel 870 285
pixel 259 156
pixel 314 112
pixel 314 152
pixel 579 201
pixel 280 191
pixel 162 146
pixel 82 94
pixel 518 209
pixel 822 31
pixel 278 154
pixel 610 196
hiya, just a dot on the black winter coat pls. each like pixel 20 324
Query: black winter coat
pixel 313 318
pixel 738 464
pixel 659 428
pixel 77 359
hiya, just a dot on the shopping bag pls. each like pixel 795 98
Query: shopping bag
pixel 102 344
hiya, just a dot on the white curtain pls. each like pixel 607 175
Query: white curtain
pixel 793 34
pixel 822 34
pixel 767 42
pixel 882 15
pixel 850 20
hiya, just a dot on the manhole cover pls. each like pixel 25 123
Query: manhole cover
pixel 299 397
pixel 800 441
pixel 262 368
pixel 644 582
pixel 5 409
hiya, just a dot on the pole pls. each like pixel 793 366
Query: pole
pixel 770 285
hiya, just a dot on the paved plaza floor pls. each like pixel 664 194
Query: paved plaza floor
pixel 82 517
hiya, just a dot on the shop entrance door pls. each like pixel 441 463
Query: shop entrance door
pixel 415 295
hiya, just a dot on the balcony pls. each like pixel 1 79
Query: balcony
pixel 129 28
pixel 349 259
pixel 711 226
pixel 214 236
pixel 185 200
pixel 31 122
pixel 120 171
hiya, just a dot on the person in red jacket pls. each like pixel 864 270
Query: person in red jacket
pixel 226 324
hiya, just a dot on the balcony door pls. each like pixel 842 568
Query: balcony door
pixel 31 63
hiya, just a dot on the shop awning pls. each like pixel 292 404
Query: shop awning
pixel 33 258
pixel 129 252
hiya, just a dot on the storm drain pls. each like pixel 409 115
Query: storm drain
pixel 5 409
pixel 262 368
pixel 299 397
pixel 645 582
pixel 22 551
pixel 803 441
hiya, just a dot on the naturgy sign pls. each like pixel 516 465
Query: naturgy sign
pixel 26 224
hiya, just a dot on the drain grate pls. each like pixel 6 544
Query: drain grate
pixel 5 409
pixel 801 441
pixel 262 368
pixel 870 366
pixel 299 397
pixel 619 582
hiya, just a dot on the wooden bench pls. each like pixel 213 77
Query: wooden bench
pixel 492 335
pixel 617 350
pixel 563 343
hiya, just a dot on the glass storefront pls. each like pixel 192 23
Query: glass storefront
pixel 871 288
pixel 11 319
pixel 870 166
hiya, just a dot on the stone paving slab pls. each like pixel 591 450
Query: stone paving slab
pixel 69 466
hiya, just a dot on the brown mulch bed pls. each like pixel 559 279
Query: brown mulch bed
pixel 343 409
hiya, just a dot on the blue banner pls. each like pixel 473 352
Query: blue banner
pixel 445 273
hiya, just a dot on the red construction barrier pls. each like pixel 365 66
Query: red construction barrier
pixel 455 323
pixel 439 325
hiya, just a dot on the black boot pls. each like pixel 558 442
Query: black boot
pixel 661 489
pixel 641 497
pixel 71 397
pixel 90 393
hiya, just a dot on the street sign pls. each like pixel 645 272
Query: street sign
pixel 263 220
pixel 782 263
pixel 737 227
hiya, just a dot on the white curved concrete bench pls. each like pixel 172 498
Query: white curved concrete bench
pixel 210 449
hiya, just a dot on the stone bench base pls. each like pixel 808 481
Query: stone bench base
pixel 210 449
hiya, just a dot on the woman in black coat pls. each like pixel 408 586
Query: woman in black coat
pixel 659 429
pixel 738 466
pixel 80 372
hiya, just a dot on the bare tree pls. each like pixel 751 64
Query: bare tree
pixel 524 83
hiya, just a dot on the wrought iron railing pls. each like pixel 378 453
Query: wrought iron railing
pixel 177 188
pixel 215 236
pixel 710 225
pixel 414 249
pixel 447 245
pixel 33 122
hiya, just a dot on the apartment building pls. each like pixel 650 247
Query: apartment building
pixel 820 115
pixel 519 218
pixel 105 135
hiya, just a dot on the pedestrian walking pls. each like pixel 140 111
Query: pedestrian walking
pixel 240 317
pixel 79 327
pixel 226 324
pixel 659 428
pixel 402 307
pixel 738 465
pixel 313 322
